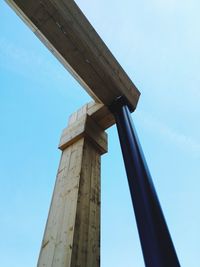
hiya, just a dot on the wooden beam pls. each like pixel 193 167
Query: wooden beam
pixel 64 29
pixel 72 233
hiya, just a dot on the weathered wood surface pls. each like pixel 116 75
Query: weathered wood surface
pixel 64 29
pixel 72 234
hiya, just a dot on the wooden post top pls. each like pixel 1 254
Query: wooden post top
pixel 82 125
pixel 67 33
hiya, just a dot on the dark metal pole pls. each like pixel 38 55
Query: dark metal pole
pixel 157 246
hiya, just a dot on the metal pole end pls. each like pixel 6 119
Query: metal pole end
pixel 119 102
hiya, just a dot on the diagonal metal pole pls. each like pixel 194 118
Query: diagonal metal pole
pixel 157 245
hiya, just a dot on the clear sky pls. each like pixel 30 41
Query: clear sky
pixel 157 42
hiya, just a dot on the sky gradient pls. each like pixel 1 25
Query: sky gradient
pixel 157 43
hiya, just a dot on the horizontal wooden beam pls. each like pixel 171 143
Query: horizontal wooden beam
pixel 64 29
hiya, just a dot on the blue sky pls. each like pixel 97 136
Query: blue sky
pixel 157 43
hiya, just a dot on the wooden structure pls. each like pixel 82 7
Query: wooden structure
pixel 63 28
pixel 72 234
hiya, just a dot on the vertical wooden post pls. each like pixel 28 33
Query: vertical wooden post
pixel 72 234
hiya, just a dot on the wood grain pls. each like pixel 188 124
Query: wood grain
pixel 64 29
pixel 72 233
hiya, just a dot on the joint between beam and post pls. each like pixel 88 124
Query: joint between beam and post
pixel 118 103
